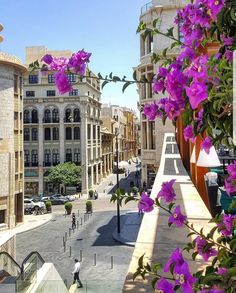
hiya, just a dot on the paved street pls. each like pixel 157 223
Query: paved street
pixel 93 239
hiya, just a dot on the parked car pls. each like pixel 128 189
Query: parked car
pixel 70 197
pixel 31 204
pixel 58 200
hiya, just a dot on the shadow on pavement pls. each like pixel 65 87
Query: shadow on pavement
pixel 125 183
pixel 105 238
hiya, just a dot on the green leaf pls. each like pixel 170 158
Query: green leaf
pixel 135 75
pixel 154 280
pixel 110 75
pixel 211 278
pixel 140 261
pixel 155 21
pixel 156 267
pixel 136 274
pixel 125 86
pixel 194 255
pixel 99 75
pixel 116 78
pixel 164 52
pixel 211 233
pixel 104 83
pixel 170 32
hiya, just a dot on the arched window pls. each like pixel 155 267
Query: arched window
pixel 47 116
pixel 26 116
pixel 34 116
pixel 68 133
pixel 55 133
pixel 34 134
pixel 76 115
pixel 26 134
pixel 47 157
pixel 34 158
pixel 76 133
pixel 68 116
pixel 47 133
pixel 55 157
pixel 55 116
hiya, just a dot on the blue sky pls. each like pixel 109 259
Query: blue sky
pixel 105 28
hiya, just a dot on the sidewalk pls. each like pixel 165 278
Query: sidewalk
pixel 129 229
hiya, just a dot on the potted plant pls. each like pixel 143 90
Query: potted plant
pixel 89 206
pixel 68 207
pixel 48 205
pixel 90 193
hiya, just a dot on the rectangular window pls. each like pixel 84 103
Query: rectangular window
pixel 89 132
pixel 76 156
pixel 33 79
pixel 34 134
pixel 15 84
pixel 144 136
pixel 47 134
pixel 51 78
pixel 74 93
pixel 94 131
pixel 71 77
pixel 29 93
pixel 34 155
pixel 51 93
pixel 2 216
pixel 152 135
pixel 68 155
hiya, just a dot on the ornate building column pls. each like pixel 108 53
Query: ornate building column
pixel 40 148
pixel 83 146
pixel 62 135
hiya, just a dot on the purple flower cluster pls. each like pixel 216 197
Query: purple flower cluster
pixel 167 191
pixel 230 181
pixel 146 204
pixel 181 271
pixel 206 144
pixel 227 225
pixel 205 253
pixel 163 286
pixel 151 111
pixel 177 217
pixel 189 133
pixel 76 64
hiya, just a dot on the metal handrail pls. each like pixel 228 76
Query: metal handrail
pixel 27 258
pixel 12 259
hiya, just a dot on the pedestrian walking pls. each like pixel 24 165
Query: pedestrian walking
pixel 95 194
pixel 75 273
pixel 73 221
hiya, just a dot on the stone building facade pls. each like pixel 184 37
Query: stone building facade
pixel 60 128
pixel 11 141
pixel 152 132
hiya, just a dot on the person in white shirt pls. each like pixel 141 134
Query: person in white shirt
pixel 76 273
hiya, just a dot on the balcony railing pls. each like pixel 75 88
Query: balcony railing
pixel 146 7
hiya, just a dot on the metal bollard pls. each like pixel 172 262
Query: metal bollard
pixel 81 221
pixel 95 259
pixel 77 224
pixel 69 231
pixel 65 236
pixel 64 247
pixel 70 250
pixel 80 255
pixel 111 262
pixel 63 240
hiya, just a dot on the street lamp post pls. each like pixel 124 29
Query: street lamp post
pixel 117 181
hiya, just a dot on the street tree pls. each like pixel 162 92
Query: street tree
pixel 68 174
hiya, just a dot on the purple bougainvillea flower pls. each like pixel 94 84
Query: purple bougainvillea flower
pixel 164 286
pixel 206 254
pixel 177 217
pixel 176 258
pixel 163 71
pixel 227 224
pixel 227 41
pixel 59 64
pixel 222 271
pixel 206 144
pixel 151 111
pixel 198 69
pixel 232 170
pixel 188 53
pixel 47 59
pixel 229 55
pixel 189 134
pixel 199 119
pixel 184 278
pixel 167 191
pixel 158 85
pixel 146 204
pixel 62 83
pixel 78 61
pixel 215 7
pixel 229 186
pixel 197 93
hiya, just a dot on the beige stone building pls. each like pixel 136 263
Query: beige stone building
pixel 107 138
pixel 60 128
pixel 11 141
pixel 152 132
pixel 124 123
